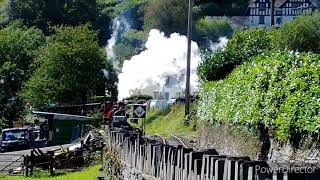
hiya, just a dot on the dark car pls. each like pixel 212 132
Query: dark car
pixel 14 139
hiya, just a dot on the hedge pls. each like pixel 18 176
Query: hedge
pixel 279 89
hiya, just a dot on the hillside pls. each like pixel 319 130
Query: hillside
pixel 167 123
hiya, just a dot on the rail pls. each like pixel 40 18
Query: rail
pixel 180 142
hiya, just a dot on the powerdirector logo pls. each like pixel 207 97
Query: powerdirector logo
pixel 285 169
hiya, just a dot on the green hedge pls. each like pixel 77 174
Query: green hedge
pixel 241 47
pixel 301 34
pixel 278 89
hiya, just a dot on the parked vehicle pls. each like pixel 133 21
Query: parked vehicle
pixel 14 139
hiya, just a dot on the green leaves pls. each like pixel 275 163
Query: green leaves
pixel 167 16
pixel 280 89
pixel 208 29
pixel 301 34
pixel 69 68
pixel 18 49
pixel 241 47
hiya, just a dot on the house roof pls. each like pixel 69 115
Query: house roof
pixel 279 3
pixel 315 3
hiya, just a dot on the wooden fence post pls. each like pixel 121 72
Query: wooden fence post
pixel 51 153
pixel 32 161
pixel 26 164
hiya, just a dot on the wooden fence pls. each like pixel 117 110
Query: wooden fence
pixel 177 163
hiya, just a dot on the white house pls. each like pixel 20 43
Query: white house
pixel 285 10
pixel 172 88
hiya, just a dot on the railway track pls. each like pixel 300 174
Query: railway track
pixel 173 141
pixel 180 142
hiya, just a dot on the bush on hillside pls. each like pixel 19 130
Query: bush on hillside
pixel 167 16
pixel 301 34
pixel 241 47
pixel 207 29
pixel 280 90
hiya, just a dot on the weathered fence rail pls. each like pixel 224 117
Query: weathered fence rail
pixel 11 163
pixel 178 163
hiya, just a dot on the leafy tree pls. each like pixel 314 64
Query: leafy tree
pixel 132 43
pixel 241 47
pixel 167 16
pixel 18 49
pixel 43 14
pixel 32 12
pixel 222 7
pixel 301 34
pixel 207 29
pixel 70 68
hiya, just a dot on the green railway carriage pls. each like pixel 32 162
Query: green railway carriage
pixel 62 128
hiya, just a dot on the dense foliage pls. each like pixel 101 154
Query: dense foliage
pixel 222 7
pixel 208 30
pixel 131 43
pixel 302 34
pixel 69 68
pixel 18 49
pixel 167 16
pixel 241 47
pixel 44 14
pixel 280 90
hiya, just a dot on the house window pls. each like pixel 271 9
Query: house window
pixel 296 4
pixel 261 19
pixel 155 95
pixel 166 95
pixel 262 6
pixel 278 12
pixel 167 81
pixel 278 20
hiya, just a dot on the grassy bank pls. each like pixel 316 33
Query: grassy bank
pixel 87 174
pixel 2 2
pixel 167 123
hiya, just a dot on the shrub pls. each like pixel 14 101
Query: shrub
pixel 301 34
pixel 209 29
pixel 280 90
pixel 241 47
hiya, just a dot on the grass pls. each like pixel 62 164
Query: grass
pixel 2 2
pixel 90 173
pixel 167 123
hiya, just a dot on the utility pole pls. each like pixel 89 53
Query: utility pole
pixel 272 12
pixel 189 34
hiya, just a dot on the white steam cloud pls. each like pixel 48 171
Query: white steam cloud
pixel 221 44
pixel 164 57
pixel 119 26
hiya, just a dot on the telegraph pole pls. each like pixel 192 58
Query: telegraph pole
pixel 272 12
pixel 189 34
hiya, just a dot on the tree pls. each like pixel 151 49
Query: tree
pixel 302 34
pixel 70 68
pixel 131 43
pixel 44 13
pixel 207 29
pixel 240 48
pixel 167 16
pixel 18 49
pixel 32 12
